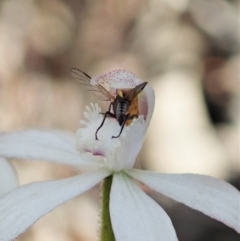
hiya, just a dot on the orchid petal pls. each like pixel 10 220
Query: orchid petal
pixel 206 194
pixel 25 205
pixel 8 179
pixel 131 144
pixel 135 216
pixel 43 145
pixel 150 104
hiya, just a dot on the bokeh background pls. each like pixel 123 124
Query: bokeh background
pixel 188 51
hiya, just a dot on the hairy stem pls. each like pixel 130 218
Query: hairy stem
pixel 106 228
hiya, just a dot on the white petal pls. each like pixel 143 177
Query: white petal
pixel 150 104
pixel 135 216
pixel 42 145
pixel 8 178
pixel 25 205
pixel 206 194
pixel 131 144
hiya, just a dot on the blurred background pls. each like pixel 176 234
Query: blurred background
pixel 188 51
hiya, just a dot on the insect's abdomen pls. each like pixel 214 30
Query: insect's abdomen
pixel 121 111
pixel 133 110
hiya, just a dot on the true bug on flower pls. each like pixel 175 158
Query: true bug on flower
pixel 123 103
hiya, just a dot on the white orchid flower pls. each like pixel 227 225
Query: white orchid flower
pixel 134 215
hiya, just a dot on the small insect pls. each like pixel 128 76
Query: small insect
pixel 124 104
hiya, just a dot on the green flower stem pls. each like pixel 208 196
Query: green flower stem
pixel 106 228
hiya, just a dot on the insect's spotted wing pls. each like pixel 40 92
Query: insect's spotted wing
pixel 98 90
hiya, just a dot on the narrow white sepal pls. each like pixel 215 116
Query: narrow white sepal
pixel 213 197
pixel 43 145
pixel 8 178
pixel 135 216
pixel 23 206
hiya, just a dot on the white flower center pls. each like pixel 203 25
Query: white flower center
pixel 110 149
pixel 86 141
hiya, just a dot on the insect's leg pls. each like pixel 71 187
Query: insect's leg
pixel 126 118
pixel 120 130
pixel 100 125
pixel 109 109
pixel 108 113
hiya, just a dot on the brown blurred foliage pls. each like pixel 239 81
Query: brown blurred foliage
pixel 188 51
